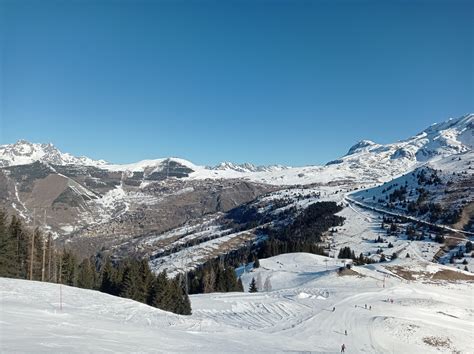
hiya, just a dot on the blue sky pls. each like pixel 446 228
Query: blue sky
pixel 291 82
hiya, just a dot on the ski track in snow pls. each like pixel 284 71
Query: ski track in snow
pixel 296 316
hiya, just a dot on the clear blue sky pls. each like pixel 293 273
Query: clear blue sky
pixel 291 82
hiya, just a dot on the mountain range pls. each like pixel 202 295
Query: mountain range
pixel 93 204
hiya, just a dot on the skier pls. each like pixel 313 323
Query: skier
pixel 345 332
pixel 370 307
pixel 366 306
pixel 343 348
pixel 333 309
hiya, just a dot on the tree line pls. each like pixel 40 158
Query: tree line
pixel 26 254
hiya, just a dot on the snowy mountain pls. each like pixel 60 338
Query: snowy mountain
pixel 247 167
pixel 451 137
pixel 365 160
pixel 94 203
pixel 24 152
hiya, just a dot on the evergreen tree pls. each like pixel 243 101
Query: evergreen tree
pixel 146 281
pixel 107 283
pixel 253 286
pixel 69 268
pixel 86 276
pixel 231 283
pixel 21 237
pixel 468 246
pixel 8 266
pixel 130 284
pixel 160 291
pixel 181 305
pixel 35 255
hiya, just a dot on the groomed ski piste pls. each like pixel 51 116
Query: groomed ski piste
pixel 381 311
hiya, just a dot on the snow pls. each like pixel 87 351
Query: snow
pixel 296 316
pixel 366 161
pixel 24 152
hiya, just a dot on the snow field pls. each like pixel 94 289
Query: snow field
pixel 427 317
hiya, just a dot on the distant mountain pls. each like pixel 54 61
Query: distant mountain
pixel 24 152
pixel 93 202
pixel 439 140
pixel 451 137
pixel 247 167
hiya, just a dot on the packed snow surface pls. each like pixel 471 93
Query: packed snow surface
pixel 297 315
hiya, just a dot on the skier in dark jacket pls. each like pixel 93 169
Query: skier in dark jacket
pixel 343 349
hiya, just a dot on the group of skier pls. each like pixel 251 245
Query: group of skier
pixel 343 346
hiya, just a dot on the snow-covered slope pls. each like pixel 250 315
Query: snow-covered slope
pixel 451 137
pixel 447 182
pixel 247 167
pixel 431 317
pixel 24 152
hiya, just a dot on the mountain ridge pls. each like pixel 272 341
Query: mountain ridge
pixel 451 136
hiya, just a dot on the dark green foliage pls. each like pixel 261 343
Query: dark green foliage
pixel 107 278
pixel 86 277
pixel 312 222
pixel 253 286
pixel 180 304
pixel 7 250
pixel 468 246
pixel 398 194
pixel 69 268
pixel 21 238
pixel 347 253
pixel 214 276
pixel 129 278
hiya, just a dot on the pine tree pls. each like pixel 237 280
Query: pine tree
pixel 107 274
pixel 69 268
pixel 253 286
pixel 231 279
pixel 146 282
pixel 35 255
pixel 159 291
pixel 8 266
pixel 182 305
pixel 86 275
pixel 132 285
pixel 21 237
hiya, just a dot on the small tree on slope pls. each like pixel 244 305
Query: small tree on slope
pixel 253 286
